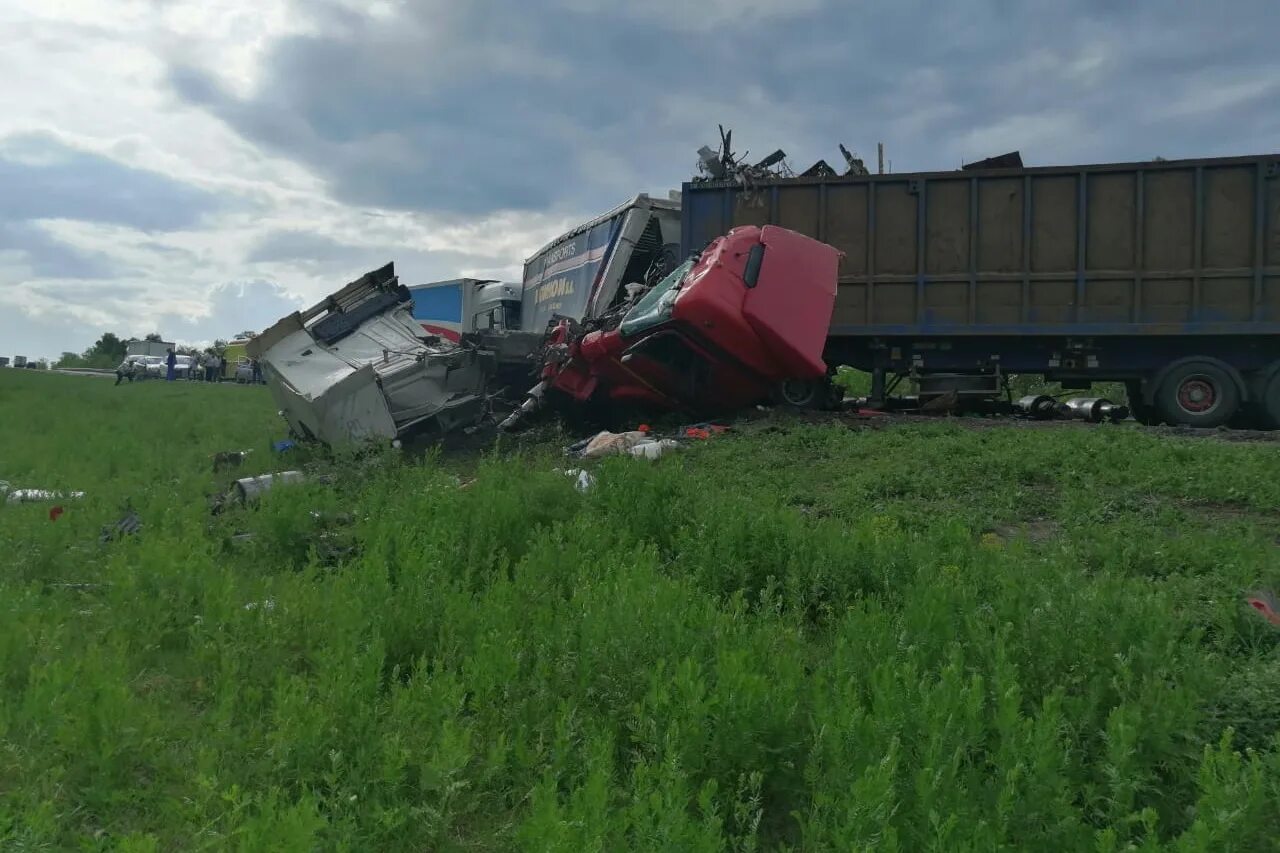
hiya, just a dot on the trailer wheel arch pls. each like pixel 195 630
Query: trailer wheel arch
pixel 1152 387
pixel 1263 378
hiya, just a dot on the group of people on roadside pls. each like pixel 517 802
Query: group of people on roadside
pixel 202 367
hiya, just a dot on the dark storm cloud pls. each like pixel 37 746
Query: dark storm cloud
pixel 326 256
pixel 474 107
pixel 43 179
pixel 292 246
pixel 48 257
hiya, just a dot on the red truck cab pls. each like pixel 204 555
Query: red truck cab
pixel 720 332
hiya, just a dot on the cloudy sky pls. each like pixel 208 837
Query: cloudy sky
pixel 197 167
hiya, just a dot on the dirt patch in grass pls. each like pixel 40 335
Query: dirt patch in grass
pixel 1036 531
pixel 1215 512
pixel 1039 531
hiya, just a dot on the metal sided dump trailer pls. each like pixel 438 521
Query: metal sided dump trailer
pixel 1164 275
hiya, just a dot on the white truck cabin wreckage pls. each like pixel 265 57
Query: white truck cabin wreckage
pixel 357 367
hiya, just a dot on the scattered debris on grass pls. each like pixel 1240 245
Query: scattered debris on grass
pixel 606 443
pixel 14 496
pixel 225 460
pixel 129 525
pixel 1266 605
pixel 583 480
pixel 78 586
pixel 654 449
pixel 1095 410
pixel 250 489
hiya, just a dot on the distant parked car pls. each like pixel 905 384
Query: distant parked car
pixel 182 367
pixel 153 367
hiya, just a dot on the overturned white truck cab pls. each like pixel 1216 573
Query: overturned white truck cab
pixel 358 367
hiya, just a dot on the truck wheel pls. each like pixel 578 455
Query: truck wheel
pixel 1198 394
pixel 805 393
pixel 1270 403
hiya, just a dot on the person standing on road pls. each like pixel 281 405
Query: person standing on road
pixel 213 368
pixel 171 365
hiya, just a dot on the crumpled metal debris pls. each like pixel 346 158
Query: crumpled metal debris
pixel 225 460
pixel 724 164
pixel 358 367
pixel 250 489
pixel 1096 409
pixel 1041 407
pixel 13 496
pixel 130 525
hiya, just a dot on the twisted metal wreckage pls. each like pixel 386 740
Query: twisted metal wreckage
pixel 719 332
pixel 623 326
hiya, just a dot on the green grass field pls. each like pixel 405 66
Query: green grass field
pixel 803 637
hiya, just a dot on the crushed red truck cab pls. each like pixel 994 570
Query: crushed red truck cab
pixel 722 331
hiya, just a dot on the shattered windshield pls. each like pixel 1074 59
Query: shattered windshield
pixel 656 304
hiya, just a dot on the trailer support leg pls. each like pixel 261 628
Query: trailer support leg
pixel 877 397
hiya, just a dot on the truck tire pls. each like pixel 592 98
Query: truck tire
pixel 1197 394
pixel 1269 405
pixel 806 393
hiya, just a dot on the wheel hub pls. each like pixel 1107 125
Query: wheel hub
pixel 797 392
pixel 1197 394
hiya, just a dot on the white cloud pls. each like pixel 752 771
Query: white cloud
pixel 89 76
pixel 565 108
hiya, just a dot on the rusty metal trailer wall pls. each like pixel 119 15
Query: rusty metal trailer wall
pixel 1158 248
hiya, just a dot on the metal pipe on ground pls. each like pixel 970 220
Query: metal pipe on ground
pixel 1038 406
pixel 250 489
pixel 1096 409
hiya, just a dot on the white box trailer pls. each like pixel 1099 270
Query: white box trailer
pixel 160 348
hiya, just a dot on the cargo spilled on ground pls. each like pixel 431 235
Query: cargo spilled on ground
pixel 799 636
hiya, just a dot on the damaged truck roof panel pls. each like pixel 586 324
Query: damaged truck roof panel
pixel 357 366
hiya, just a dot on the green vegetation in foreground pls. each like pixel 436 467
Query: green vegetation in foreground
pixel 809 638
